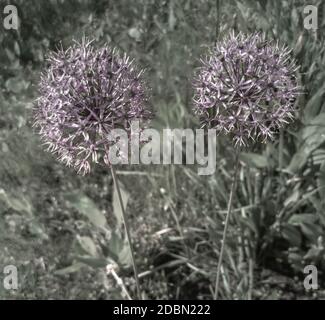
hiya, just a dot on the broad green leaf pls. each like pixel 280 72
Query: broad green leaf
pixel 119 250
pixel 311 231
pixel 314 253
pixel 71 269
pixel 291 234
pixel 93 262
pixel 308 223
pixel 254 160
pixel 116 203
pixel 16 85
pixel 314 104
pixel 37 231
pixel 298 160
pixel 319 205
pixel 313 135
pixel 292 199
pixel 297 219
pixel 19 204
pixel 88 245
pixel 124 257
pixel 87 207
pixel 115 245
pixel 295 258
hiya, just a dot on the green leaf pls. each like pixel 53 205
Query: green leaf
pixel 298 160
pixel 87 207
pixel 295 17
pixel 119 250
pixel 314 104
pixel 17 48
pixel 321 182
pixel 292 199
pixel 93 262
pixel 243 10
pixel 313 135
pixel 311 231
pixel 319 204
pixel 88 245
pixel 314 253
pixel 248 223
pixel 124 256
pixel 254 160
pixel 298 219
pixel 16 85
pixel 115 245
pixel 18 204
pixel 116 203
pixel 171 17
pixel 295 258
pixel 10 55
pixel 71 269
pixel 309 225
pixel 291 234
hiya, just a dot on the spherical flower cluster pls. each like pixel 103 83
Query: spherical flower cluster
pixel 84 94
pixel 246 87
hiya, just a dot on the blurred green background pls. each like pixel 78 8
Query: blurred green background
pixel 61 230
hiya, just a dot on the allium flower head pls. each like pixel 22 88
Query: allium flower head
pixel 246 87
pixel 84 94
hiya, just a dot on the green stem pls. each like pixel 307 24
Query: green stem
pixel 127 231
pixel 281 150
pixel 217 20
pixel 223 243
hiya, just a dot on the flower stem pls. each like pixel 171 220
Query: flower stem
pixel 223 243
pixel 217 20
pixel 127 231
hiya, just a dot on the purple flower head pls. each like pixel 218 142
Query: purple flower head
pixel 84 94
pixel 246 87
